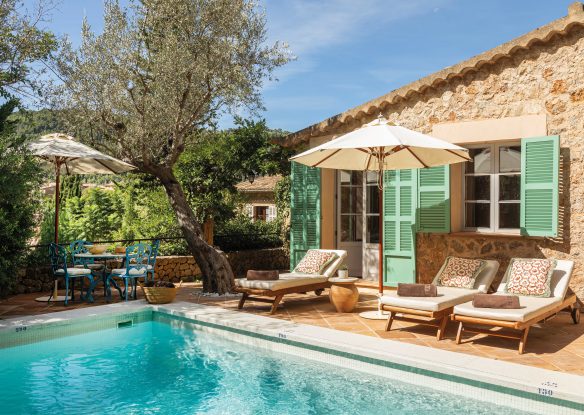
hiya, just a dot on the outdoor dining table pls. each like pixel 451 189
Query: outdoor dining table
pixel 104 256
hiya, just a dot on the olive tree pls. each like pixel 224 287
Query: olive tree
pixel 159 73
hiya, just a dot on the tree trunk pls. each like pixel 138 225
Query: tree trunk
pixel 217 272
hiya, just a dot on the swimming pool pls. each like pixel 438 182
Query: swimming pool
pixel 191 358
pixel 154 368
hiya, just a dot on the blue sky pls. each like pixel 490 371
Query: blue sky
pixel 351 51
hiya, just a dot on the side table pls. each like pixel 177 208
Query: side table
pixel 343 294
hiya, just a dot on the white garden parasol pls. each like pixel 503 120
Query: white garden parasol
pixel 378 146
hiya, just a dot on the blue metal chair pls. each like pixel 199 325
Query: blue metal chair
pixel 152 259
pixel 136 267
pixel 58 256
pixel 80 247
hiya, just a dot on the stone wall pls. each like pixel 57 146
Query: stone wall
pixel 168 268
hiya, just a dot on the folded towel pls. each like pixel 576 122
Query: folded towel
pixel 495 301
pixel 416 290
pixel 253 275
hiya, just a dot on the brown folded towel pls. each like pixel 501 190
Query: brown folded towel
pixel 495 301
pixel 254 275
pixel 416 290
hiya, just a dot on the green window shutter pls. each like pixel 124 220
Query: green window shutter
pixel 399 243
pixel 433 213
pixel 540 159
pixel 304 211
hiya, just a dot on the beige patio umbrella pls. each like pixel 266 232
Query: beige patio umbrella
pixel 71 157
pixel 378 146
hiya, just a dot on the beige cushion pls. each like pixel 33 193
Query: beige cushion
pixel 286 280
pixel 133 271
pixel 460 272
pixel 74 271
pixel 447 297
pixel 315 262
pixel 530 307
pixel 96 267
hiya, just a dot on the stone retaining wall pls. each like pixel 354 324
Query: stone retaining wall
pixel 168 268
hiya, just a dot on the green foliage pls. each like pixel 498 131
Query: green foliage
pixel 242 233
pixel 282 199
pixel 209 170
pixel 19 176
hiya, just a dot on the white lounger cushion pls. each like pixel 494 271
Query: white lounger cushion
pixel 293 279
pixel 447 296
pixel 287 280
pixel 530 306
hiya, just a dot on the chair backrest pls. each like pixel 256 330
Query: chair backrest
pixel 485 277
pixel 58 256
pixel 79 247
pixel 137 258
pixel 560 278
pixel 153 252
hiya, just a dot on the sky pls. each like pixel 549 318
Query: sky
pixel 348 52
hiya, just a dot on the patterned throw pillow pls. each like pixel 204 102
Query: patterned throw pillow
pixel 531 277
pixel 460 272
pixel 314 262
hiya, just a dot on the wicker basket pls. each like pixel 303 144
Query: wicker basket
pixel 159 295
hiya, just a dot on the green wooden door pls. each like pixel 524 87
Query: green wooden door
pixel 304 211
pixel 540 158
pixel 399 223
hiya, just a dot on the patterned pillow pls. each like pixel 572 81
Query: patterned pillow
pixel 531 277
pixel 315 261
pixel 460 272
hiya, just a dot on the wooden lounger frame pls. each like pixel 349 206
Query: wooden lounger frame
pixel 523 326
pixel 438 318
pixel 277 294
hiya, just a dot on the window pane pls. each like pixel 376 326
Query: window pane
pixel 351 199
pixel 478 188
pixel 372 177
pixel 351 228
pixel 509 159
pixel 509 187
pixel 509 215
pixel 373 229
pixel 372 199
pixel 481 160
pixel 478 215
pixel 349 177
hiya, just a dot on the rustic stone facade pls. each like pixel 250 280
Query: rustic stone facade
pixel 544 75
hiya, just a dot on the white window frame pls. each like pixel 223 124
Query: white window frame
pixel 494 184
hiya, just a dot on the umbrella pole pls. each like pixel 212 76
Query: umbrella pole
pixel 381 239
pixel 57 189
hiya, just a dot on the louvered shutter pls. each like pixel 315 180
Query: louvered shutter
pixel 399 243
pixel 304 211
pixel 540 159
pixel 434 199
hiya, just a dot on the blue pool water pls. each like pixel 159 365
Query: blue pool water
pixel 153 368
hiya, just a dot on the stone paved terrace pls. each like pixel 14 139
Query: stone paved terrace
pixel 556 345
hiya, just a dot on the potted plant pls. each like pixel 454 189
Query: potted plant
pixel 343 271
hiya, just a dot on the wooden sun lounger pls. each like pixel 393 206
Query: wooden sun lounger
pixel 297 284
pixel 560 280
pixel 435 311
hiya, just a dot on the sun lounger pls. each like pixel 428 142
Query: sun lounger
pixel 437 309
pixel 532 311
pixel 288 283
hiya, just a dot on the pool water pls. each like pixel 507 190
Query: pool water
pixel 153 368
